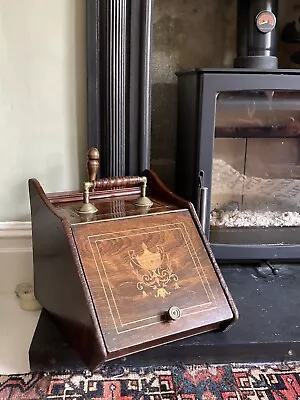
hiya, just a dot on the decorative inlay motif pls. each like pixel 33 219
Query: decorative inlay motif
pixel 135 264
pixel 154 271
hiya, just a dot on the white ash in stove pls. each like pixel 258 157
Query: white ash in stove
pixel 242 201
pixel 250 218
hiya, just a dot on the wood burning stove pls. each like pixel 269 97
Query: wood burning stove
pixel 238 156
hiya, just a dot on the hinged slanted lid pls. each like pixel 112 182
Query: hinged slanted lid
pixel 151 280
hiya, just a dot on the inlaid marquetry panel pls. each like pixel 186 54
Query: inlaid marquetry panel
pixel 139 267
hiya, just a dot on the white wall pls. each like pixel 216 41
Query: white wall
pixel 42 99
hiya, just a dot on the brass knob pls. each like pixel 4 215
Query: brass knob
pixel 93 163
pixel 174 313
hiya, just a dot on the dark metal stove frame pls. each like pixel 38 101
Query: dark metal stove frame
pixel 196 134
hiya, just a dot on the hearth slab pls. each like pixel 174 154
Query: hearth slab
pixel 268 328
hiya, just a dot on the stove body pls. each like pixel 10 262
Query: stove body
pixel 238 157
pixel 238 160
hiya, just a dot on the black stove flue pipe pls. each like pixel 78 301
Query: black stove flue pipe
pixel 256 34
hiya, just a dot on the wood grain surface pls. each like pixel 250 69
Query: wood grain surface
pixel 59 282
pixel 137 268
pixel 108 279
pixel 109 208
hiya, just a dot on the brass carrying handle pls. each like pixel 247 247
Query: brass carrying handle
pixel 119 181
pixel 109 183
pixel 125 181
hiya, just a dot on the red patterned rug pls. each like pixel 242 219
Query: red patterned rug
pixel 262 382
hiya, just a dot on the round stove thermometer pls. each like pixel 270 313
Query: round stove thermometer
pixel 265 21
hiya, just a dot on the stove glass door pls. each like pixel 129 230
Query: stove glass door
pixel 255 196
